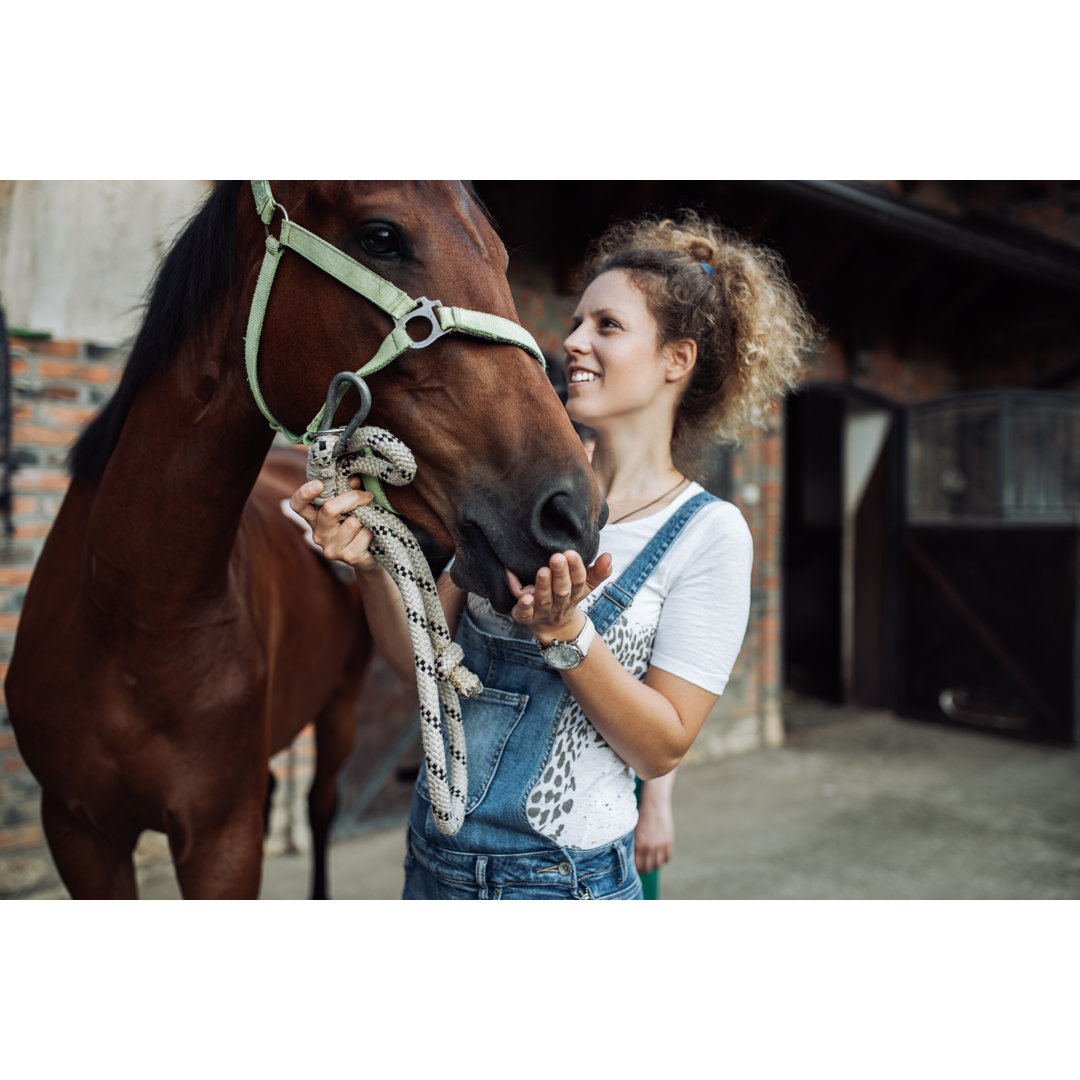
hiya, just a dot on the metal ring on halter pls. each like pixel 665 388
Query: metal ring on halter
pixel 332 402
pixel 425 309
pixel 266 225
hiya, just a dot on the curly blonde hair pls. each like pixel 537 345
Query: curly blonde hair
pixel 752 330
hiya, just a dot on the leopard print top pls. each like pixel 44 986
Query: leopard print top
pixel 551 802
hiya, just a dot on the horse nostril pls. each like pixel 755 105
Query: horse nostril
pixel 562 522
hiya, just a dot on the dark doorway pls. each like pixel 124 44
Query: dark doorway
pixel 840 526
pixel 812 542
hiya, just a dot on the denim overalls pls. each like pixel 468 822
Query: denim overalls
pixel 509 730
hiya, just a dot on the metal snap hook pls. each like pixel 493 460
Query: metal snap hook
pixel 332 402
pixel 425 309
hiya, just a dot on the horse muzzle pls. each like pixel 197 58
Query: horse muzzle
pixel 496 534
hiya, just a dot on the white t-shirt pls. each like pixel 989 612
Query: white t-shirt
pixel 688 618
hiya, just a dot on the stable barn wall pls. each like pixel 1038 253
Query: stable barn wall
pixel 76 256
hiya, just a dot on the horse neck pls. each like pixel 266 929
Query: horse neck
pixel 168 507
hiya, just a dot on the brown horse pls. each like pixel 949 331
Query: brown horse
pixel 178 631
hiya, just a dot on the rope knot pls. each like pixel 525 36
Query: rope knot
pixel 449 669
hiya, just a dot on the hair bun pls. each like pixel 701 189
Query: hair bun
pixel 700 250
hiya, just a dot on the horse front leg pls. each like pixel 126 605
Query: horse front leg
pixel 92 866
pixel 220 861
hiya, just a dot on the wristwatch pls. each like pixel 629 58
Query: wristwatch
pixel 565 655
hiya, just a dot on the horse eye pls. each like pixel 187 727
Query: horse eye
pixel 381 240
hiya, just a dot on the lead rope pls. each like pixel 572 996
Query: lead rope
pixel 440 675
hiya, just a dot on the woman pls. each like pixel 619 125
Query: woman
pixel 683 334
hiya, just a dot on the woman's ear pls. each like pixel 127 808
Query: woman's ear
pixel 681 357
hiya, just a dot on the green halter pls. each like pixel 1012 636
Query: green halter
pixel 401 307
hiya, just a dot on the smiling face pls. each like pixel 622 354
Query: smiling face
pixel 615 366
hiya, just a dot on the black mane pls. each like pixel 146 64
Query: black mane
pixel 196 269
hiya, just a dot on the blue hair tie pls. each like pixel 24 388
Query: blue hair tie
pixel 707 268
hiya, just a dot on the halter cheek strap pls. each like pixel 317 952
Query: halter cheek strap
pixel 401 307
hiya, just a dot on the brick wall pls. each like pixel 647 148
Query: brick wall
pixel 1051 207
pixel 749 715
pixel 903 377
pixel 57 386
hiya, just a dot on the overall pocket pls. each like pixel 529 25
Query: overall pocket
pixel 488 721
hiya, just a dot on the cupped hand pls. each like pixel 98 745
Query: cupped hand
pixel 340 534
pixel 549 607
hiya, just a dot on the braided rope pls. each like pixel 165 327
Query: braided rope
pixel 440 675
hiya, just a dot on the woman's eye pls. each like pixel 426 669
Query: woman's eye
pixel 381 240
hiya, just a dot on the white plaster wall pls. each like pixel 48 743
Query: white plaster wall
pixel 76 256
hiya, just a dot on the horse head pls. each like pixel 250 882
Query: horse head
pixel 502 477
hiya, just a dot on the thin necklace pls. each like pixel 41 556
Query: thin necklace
pixel 653 503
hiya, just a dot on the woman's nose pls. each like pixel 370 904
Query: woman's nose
pixel 576 341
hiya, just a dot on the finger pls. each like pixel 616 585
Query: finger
pixel 524 610
pixel 300 501
pixel 542 589
pixel 575 566
pixel 599 571
pixel 346 503
pixel 350 543
pixel 332 530
pixel 516 588
pixel 336 534
pixel 358 551
pixel 561 585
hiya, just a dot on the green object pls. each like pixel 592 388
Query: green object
pixel 383 294
pixel 650 885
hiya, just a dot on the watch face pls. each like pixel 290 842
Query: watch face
pixel 563 657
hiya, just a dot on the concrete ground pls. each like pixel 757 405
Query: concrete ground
pixel 855 806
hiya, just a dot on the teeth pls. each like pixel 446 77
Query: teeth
pixel 583 376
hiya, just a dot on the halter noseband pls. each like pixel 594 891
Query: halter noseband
pixel 401 307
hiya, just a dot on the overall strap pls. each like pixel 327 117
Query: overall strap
pixel 617 596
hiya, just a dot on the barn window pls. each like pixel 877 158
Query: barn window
pixel 994 458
